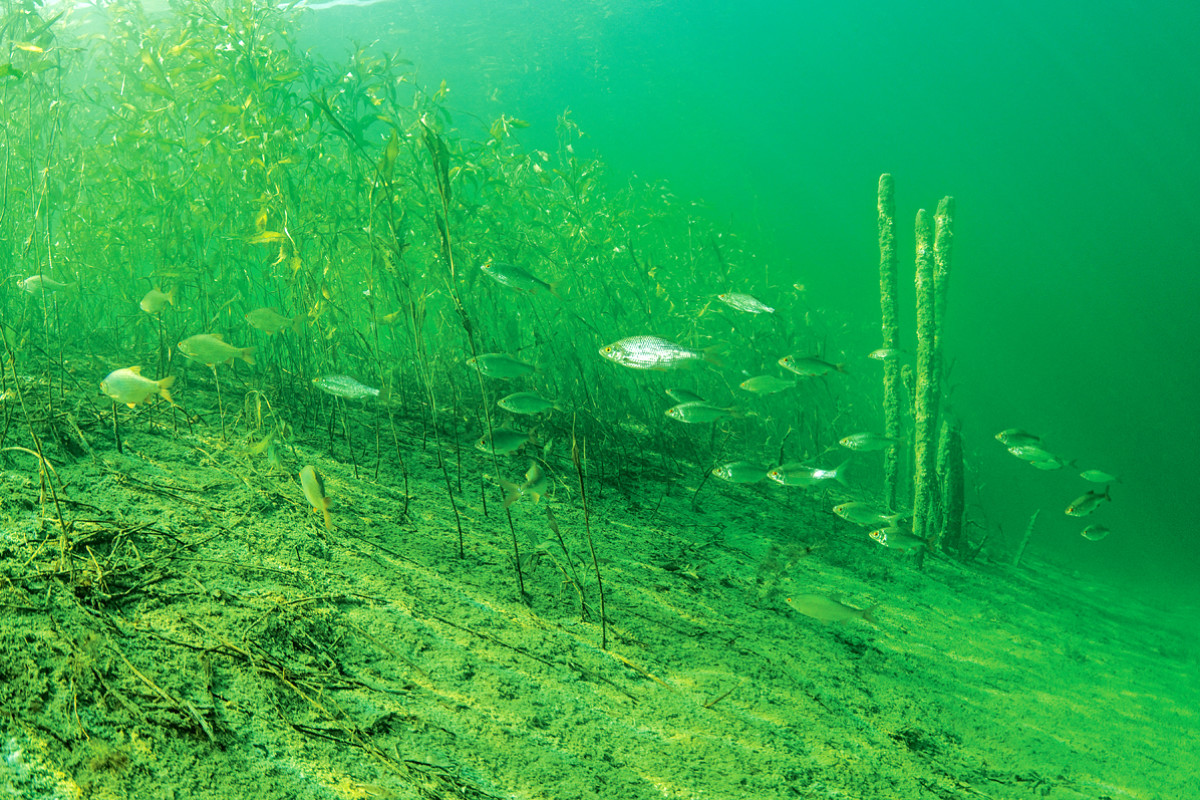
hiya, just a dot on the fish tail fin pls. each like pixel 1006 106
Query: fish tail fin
pixel 837 473
pixel 173 295
pixel 163 386
pixel 713 355
pixel 552 287
pixel 511 492
pixel 299 321
pixel 248 355
pixel 737 412
pixel 840 367
pixel 328 517
pixel 869 614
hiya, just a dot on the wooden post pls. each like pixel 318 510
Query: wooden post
pixel 889 302
pixel 925 400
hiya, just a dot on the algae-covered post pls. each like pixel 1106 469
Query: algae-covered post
pixel 889 301
pixel 943 241
pixel 925 398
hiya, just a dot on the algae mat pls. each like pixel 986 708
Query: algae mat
pixel 177 623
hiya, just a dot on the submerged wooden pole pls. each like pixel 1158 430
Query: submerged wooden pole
pixel 943 242
pixel 925 398
pixel 943 239
pixel 889 303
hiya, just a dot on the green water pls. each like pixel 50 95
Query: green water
pixel 1066 134
pixel 322 555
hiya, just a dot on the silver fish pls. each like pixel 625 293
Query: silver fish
pixel 652 352
pixel 534 486
pixel 504 441
pixel 1094 533
pixel 864 514
pixel 896 538
pixel 804 475
pixel 740 472
pixel 702 412
pixel 1087 503
pixel 744 302
pixel 828 609
pixel 1097 476
pixel 517 278
pixel 684 396
pixel 1032 452
pixel 36 284
pixel 866 442
pixel 525 403
pixel 766 384
pixel 344 386
pixel 809 366
pixel 1015 437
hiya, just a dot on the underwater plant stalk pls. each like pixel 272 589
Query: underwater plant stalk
pixel 116 429
pixel 889 303
pixel 925 399
pixel 950 469
pixel 1025 539
pixel 577 456
pixel 220 403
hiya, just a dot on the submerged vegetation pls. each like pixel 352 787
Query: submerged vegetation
pixel 317 219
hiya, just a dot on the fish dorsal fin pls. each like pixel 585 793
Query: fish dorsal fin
pixel 136 370
pixel 217 336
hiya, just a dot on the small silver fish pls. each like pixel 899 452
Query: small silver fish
pixel 702 412
pixel 503 440
pixel 516 278
pixel 887 354
pixel 1048 463
pixel 766 384
pixel 744 302
pixel 1015 437
pixel 36 284
pixel 828 609
pixel 865 514
pixel 156 300
pixel 212 349
pixel 652 352
pixel 271 322
pixel 866 442
pixel 499 365
pixel 740 472
pixel 1087 503
pixel 1094 533
pixel 314 491
pixel 525 403
pixel 345 387
pixel 534 486
pixel 809 366
pixel 1032 452
pixel 684 396
pixel 130 387
pixel 795 474
pixel 1096 476
pixel 895 538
